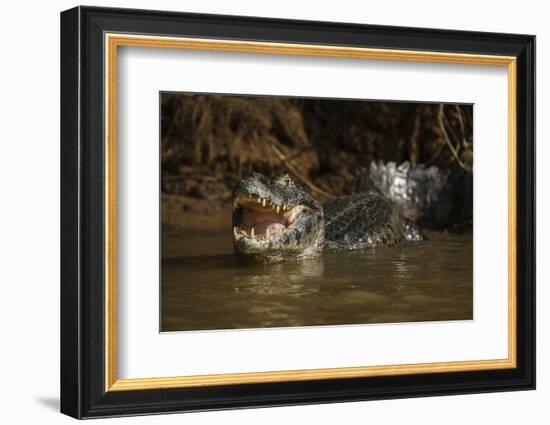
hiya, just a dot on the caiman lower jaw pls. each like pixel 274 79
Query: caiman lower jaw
pixel 261 218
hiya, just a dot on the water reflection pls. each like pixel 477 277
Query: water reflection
pixel 206 288
pixel 293 279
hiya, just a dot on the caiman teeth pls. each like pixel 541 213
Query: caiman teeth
pixel 279 208
pixel 252 232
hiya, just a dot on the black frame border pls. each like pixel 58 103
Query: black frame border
pixel 82 212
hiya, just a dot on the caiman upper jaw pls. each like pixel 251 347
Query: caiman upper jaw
pixel 253 200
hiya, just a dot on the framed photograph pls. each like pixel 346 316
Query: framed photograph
pixel 260 212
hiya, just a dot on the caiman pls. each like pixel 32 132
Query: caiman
pixel 276 219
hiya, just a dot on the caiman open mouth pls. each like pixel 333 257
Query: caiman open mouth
pixel 261 218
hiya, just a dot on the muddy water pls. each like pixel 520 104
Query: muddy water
pixel 203 286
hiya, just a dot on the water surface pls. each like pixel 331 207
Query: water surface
pixel 203 287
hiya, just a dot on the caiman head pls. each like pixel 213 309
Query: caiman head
pixel 274 219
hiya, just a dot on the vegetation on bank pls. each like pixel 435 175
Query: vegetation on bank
pixel 208 142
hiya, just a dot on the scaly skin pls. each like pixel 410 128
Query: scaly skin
pixel 275 219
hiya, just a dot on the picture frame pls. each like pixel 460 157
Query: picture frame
pixel 90 40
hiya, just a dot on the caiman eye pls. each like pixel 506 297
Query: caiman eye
pixel 257 176
pixel 286 180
